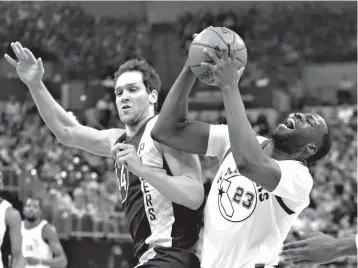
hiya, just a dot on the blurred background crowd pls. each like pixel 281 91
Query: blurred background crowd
pixel 82 51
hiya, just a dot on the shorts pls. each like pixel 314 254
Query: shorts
pixel 172 258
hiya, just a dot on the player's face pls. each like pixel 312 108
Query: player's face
pixel 32 209
pixel 298 130
pixel 132 99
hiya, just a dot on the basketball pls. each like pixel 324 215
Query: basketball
pixel 208 38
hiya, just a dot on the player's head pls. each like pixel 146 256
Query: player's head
pixel 304 136
pixel 32 209
pixel 137 87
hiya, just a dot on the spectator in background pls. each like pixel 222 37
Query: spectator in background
pixel 344 93
pixel 105 107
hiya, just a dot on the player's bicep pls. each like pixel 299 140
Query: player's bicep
pixel 51 237
pixel 191 137
pixel 90 139
pixel 13 222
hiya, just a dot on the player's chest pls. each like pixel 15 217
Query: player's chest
pixel 235 198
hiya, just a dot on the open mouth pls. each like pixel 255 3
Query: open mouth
pixel 125 107
pixel 290 123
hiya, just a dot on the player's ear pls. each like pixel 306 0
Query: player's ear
pixel 153 96
pixel 311 148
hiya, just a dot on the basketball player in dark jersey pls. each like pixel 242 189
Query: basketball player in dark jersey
pixel 10 220
pixel 161 188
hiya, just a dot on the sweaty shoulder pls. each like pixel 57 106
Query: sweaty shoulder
pixel 219 141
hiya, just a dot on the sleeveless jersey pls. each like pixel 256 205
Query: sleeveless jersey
pixel 4 205
pixel 245 225
pixel 33 244
pixel 153 219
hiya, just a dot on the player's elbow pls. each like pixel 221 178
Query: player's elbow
pixel 196 197
pixel 160 136
pixel 64 262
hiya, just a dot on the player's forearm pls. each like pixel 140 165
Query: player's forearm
pixel 56 262
pixel 245 148
pixel 345 246
pixel 182 190
pixel 17 260
pixel 55 117
pixel 175 108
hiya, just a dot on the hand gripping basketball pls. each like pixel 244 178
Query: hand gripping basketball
pixel 225 67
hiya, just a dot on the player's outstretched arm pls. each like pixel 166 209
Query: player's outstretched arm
pixel 67 130
pixel 184 187
pixel 173 127
pixel 318 248
pixel 13 223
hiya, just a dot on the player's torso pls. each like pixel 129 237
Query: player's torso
pixel 242 220
pixel 4 205
pixel 33 244
pixel 153 219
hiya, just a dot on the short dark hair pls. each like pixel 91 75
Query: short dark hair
pixel 34 197
pixel 323 150
pixel 151 78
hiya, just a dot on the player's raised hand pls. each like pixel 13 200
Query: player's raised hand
pixel 315 248
pixel 225 67
pixel 29 69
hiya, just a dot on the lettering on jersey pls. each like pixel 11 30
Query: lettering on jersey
pixel 148 199
pixel 123 179
pixel 263 194
pixel 147 196
pixel 237 196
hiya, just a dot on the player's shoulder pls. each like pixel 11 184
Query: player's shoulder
pixel 296 169
pixel 48 229
pixel 12 216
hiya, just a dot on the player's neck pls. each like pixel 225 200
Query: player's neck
pixel 277 154
pixel 30 224
pixel 131 130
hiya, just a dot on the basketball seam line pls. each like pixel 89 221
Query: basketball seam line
pixel 194 66
pixel 204 45
pixel 209 46
pixel 220 35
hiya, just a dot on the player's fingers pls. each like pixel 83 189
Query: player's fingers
pixel 293 245
pixel 294 252
pixel 211 55
pixel 292 259
pixel 16 50
pixel 302 263
pixel 40 64
pixel 29 54
pixel 206 64
pixel 304 235
pixel 21 50
pixel 123 160
pixel 122 153
pixel 223 51
pixel 10 60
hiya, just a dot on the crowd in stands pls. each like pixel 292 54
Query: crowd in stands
pixel 63 32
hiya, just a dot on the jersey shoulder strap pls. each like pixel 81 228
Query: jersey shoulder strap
pixel 121 138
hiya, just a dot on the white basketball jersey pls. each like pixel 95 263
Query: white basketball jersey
pixel 4 205
pixel 244 224
pixel 33 244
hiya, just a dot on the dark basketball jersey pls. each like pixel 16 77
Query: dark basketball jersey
pixel 153 219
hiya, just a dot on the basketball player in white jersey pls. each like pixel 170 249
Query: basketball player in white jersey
pixel 40 244
pixel 262 184
pixel 162 191
pixel 10 220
